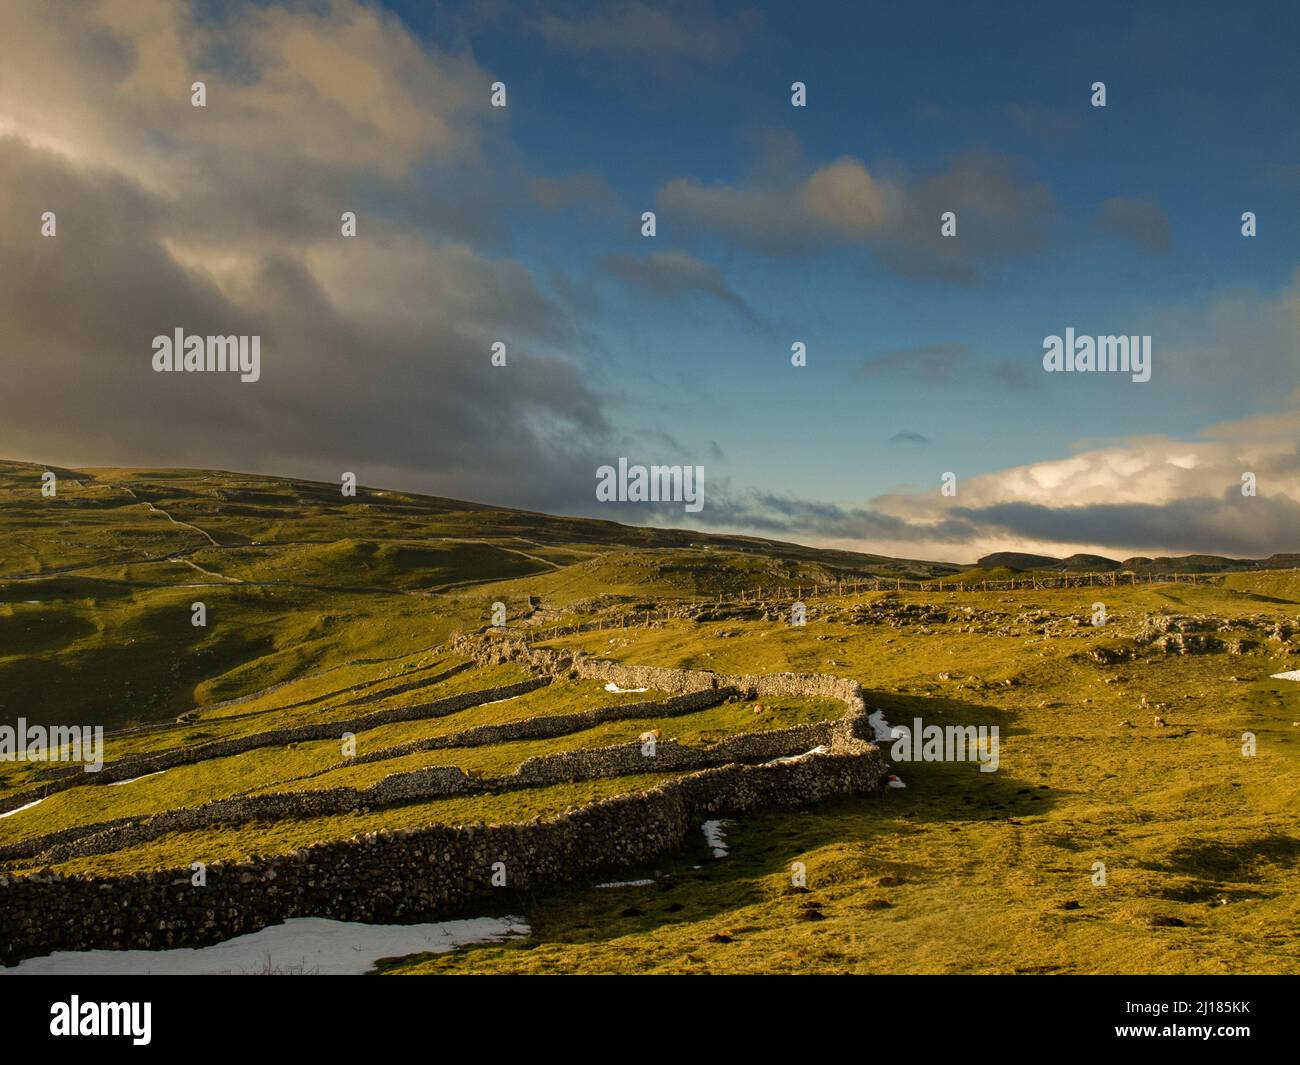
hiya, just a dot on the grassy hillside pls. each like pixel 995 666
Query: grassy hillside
pixel 970 872
pixel 296 577
pixel 1120 743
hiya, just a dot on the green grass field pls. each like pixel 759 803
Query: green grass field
pixel 323 609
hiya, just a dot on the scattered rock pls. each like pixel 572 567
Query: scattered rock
pixel 1161 920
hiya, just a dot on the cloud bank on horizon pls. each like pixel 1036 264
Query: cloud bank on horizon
pixel 820 224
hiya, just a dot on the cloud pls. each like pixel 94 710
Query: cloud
pixel 841 202
pixel 1001 215
pixel 907 436
pixel 225 220
pixel 947 362
pixel 1153 495
pixel 571 190
pixel 922 360
pixel 1042 126
pixel 843 198
pixel 336 84
pixel 1142 222
pixel 1054 128
pixel 671 276
pixel 633 28
pixel 845 204
pixel 1234 342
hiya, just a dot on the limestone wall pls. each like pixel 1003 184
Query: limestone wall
pixel 398 875
pixel 395 875
pixel 138 765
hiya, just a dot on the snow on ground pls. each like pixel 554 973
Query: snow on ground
pixel 626 883
pixel 306 945
pixel 819 749
pixel 877 721
pixel 20 809
pixel 132 780
pixel 884 734
pixel 717 839
pixel 612 687
pixel 1293 674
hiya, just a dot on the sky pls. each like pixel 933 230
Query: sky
pixel 774 224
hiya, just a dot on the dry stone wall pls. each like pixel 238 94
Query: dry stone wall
pixel 419 785
pixel 141 764
pixel 408 874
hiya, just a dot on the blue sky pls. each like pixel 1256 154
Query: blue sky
pixel 775 224
pixel 1200 122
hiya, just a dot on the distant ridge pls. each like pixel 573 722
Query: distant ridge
pixel 1017 560
pixel 1081 563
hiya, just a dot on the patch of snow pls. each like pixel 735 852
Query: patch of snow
pixel 20 809
pixel 715 837
pixel 821 748
pixel 132 780
pixel 1293 674
pixel 612 687
pixel 877 721
pixel 626 883
pixel 884 732
pixel 312 945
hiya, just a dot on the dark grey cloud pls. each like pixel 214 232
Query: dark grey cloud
pixel 1228 524
pixel 1050 126
pixel 1002 214
pixel 1233 525
pixel 907 436
pixel 896 218
pixel 1141 222
pixel 779 515
pixel 566 191
pixel 651 31
pixel 950 361
pixel 922 360
pixel 674 276
pixel 402 393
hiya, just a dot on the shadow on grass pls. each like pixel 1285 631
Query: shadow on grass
pixel 1258 597
pixel 692 886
